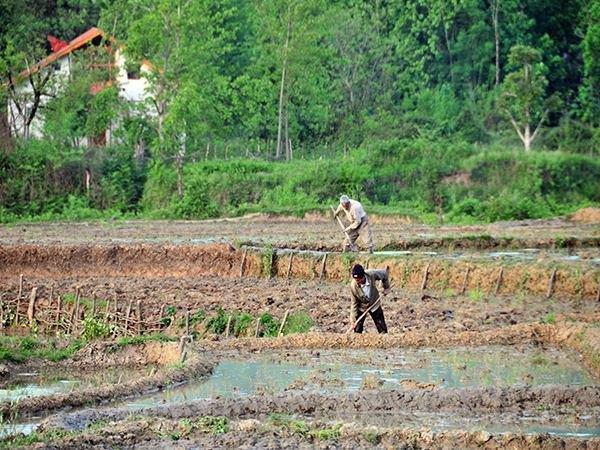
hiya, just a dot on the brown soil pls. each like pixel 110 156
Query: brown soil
pixel 315 232
pixel 251 433
pixel 587 215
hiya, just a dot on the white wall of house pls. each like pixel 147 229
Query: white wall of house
pixel 132 90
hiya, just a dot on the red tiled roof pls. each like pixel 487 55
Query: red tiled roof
pixel 76 43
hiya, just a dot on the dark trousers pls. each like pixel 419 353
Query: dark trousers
pixel 377 317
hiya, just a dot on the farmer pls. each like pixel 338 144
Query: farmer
pixel 359 224
pixel 365 295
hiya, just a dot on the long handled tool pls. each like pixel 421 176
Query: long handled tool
pixel 341 224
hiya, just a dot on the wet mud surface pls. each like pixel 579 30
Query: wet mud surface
pixel 429 383
pixel 314 232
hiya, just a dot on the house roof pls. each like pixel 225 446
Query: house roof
pixel 76 43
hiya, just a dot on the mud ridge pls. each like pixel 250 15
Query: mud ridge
pixel 195 367
pixel 463 401
pixel 143 433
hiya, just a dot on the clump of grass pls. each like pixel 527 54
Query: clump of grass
pixel 476 295
pixel 267 258
pixel 242 323
pixel 299 322
pixel 539 360
pixel 214 425
pixel 549 319
pixel 372 437
pixel 19 349
pixel 218 323
pixel 270 325
pixel 143 338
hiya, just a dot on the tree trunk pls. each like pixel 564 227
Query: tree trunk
pixel 280 141
pixel 495 11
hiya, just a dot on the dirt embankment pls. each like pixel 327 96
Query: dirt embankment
pixel 410 273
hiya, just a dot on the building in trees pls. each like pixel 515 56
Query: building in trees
pixel 61 94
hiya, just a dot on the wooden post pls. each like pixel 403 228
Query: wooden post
pixel 367 263
pixel 16 321
pixel 598 293
pixel 94 305
pixel 551 284
pixel 257 325
pixel 499 280
pixel 289 269
pixel 71 320
pixel 31 308
pixel 227 328
pixel 425 276
pixel 58 312
pixel 187 321
pixel 127 314
pixel 243 262
pixel 20 287
pixel 161 314
pixel 466 280
pixel 139 317
pixel 116 321
pixel 1 312
pixel 107 311
pixel 77 295
pixel 285 316
pixel 323 267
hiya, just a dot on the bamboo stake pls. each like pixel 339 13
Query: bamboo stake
pixel 106 311
pixel 551 284
pixel 323 267
pixel 466 280
pixel 77 295
pixel 20 287
pixel 127 314
pixel 227 328
pixel 31 308
pixel 289 269
pixel 71 320
pixel 257 325
pixel 139 317
pixel 499 281
pixel 243 262
pixel 116 310
pixel 187 321
pixel 598 293
pixel 1 312
pixel 285 316
pixel 58 312
pixel 425 275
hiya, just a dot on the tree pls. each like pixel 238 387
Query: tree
pixel 590 90
pixel 523 94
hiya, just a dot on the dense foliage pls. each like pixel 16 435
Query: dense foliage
pixel 455 110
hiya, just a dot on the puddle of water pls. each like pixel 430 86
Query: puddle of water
pixel 53 382
pixel 335 371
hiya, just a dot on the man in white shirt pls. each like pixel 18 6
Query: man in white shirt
pixel 359 224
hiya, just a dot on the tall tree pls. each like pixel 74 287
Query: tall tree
pixel 523 97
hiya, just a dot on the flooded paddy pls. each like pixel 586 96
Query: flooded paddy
pixel 240 374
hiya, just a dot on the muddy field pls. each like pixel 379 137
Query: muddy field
pixel 420 386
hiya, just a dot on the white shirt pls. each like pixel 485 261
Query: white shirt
pixel 357 211
pixel 366 288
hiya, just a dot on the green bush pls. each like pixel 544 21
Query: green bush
pixel 218 323
pixel 299 322
pixel 269 324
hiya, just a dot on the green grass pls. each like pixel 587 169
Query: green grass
pixel 142 339
pixel 19 349
pixel 298 322
pixel 549 319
